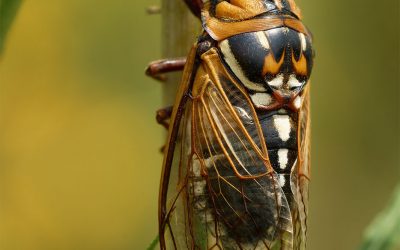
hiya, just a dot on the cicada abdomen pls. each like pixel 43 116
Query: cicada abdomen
pixel 236 166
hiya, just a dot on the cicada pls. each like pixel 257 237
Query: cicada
pixel 236 164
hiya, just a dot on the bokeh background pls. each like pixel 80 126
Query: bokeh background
pixel 79 160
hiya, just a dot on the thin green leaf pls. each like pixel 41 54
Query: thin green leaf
pixel 8 10
pixel 384 231
pixel 153 244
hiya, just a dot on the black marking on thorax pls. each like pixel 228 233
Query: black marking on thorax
pixel 250 52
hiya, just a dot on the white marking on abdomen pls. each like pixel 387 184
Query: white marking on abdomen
pixel 282 180
pixel 293 82
pixel 261 99
pixel 235 67
pixel 199 187
pixel 277 81
pixel 282 125
pixel 283 157
pixel 196 168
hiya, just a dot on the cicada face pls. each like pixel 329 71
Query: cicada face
pixel 236 167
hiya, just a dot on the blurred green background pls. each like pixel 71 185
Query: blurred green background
pixel 79 160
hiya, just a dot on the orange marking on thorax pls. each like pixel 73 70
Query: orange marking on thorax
pixel 300 66
pixel 271 65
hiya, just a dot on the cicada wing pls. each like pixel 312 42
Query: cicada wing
pixel 300 175
pixel 304 134
pixel 218 188
pixel 240 201
pixel 173 187
pixel 178 233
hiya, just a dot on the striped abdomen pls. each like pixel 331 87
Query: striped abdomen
pixel 280 133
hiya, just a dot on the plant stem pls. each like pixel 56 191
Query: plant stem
pixel 179 31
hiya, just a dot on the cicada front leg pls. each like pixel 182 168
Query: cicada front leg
pixel 163 115
pixel 158 69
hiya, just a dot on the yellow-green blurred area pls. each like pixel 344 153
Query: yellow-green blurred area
pixel 79 146
pixel 79 159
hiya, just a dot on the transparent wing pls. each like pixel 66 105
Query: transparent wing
pixel 173 210
pixel 175 222
pixel 248 207
pixel 300 175
pixel 218 187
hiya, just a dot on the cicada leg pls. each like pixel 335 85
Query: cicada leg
pixel 162 116
pixel 157 69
